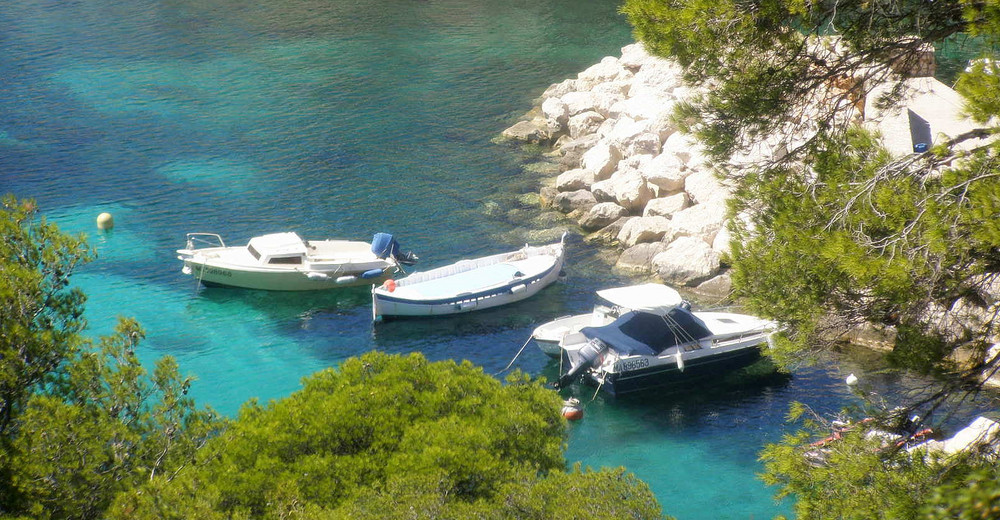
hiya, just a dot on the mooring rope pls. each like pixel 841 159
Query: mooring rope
pixel 515 357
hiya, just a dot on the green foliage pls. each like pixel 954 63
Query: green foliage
pixel 385 436
pixel 861 474
pixel 40 316
pixel 80 423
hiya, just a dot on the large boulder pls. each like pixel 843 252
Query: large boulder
pixel 719 286
pixel 631 190
pixel 608 235
pixel 634 56
pixel 602 159
pixel 647 143
pixel 606 95
pixel 645 229
pixel 657 77
pixel 572 150
pixel 556 114
pixel 666 172
pixel 681 146
pixel 560 89
pixel 666 206
pixel 702 221
pixel 602 215
pixel 722 240
pixel 645 106
pixel 705 187
pixel 576 179
pixel 607 70
pixel 534 131
pixel 584 123
pixel 567 201
pixel 624 132
pixel 687 261
pixel 604 191
pixel 639 258
pixel 579 102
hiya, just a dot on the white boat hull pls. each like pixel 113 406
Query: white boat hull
pixel 279 280
pixel 415 295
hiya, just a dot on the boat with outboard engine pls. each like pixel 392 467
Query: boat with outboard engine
pixel 471 284
pixel 649 337
pixel 286 262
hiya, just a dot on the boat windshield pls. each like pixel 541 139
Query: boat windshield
pixel 253 251
pixel 648 334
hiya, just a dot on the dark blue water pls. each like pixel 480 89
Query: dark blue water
pixel 337 118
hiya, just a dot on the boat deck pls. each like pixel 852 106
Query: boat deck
pixel 475 279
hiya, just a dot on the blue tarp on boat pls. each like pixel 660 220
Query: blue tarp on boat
pixel 642 333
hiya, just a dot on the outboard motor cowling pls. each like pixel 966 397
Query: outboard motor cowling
pixel 385 245
pixel 587 355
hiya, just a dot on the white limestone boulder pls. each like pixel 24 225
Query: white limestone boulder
pixel 645 229
pixel 602 215
pixel 702 221
pixel 609 69
pixel 556 114
pixel 657 76
pixel 560 89
pixel 639 258
pixel 567 201
pixel 584 123
pixel 534 131
pixel 604 191
pixel 719 286
pixel 606 95
pixel 687 261
pixel 634 56
pixel 576 179
pixel 705 187
pixel 722 240
pixel 572 150
pixel 602 159
pixel 631 190
pixel 680 145
pixel 579 102
pixel 666 206
pixel 646 106
pixel 666 172
pixel 647 143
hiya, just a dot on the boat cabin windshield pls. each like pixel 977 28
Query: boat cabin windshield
pixel 649 334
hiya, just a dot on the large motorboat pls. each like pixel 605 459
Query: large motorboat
pixel 647 337
pixel 471 284
pixel 286 262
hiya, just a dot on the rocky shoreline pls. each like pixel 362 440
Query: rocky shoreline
pixel 629 177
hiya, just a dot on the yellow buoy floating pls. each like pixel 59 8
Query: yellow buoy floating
pixel 105 221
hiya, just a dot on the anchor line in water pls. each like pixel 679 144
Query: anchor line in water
pixel 515 357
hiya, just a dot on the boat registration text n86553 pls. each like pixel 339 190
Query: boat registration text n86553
pixel 218 272
pixel 631 364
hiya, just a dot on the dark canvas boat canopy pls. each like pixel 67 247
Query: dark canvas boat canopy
pixel 643 333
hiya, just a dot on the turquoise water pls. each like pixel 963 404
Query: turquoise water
pixel 341 119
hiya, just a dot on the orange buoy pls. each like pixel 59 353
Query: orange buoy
pixel 572 410
pixel 389 285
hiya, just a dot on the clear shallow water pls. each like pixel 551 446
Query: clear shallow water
pixel 340 119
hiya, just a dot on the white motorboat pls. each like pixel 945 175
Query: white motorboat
pixel 649 337
pixel 286 262
pixel 469 285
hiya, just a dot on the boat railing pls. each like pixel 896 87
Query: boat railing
pixel 203 241
pixel 743 336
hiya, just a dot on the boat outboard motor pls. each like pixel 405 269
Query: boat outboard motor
pixel 585 358
pixel 384 245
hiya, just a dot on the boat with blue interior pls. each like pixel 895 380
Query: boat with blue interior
pixel 286 262
pixel 471 284
pixel 648 336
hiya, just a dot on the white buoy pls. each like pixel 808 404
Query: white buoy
pixel 105 221
pixel 851 380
